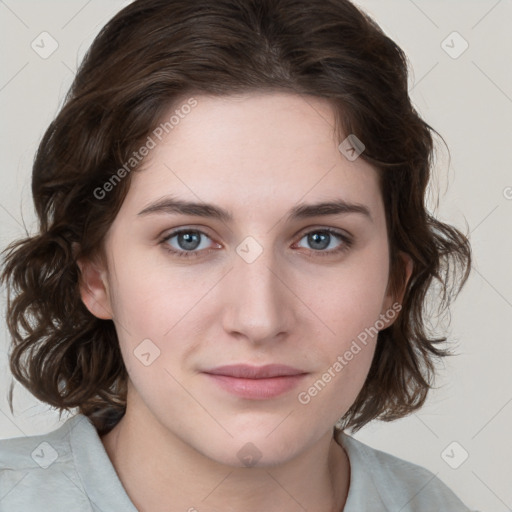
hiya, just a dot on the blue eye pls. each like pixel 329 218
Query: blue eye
pixel 189 242
pixel 319 239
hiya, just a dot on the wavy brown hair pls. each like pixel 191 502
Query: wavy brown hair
pixel 149 56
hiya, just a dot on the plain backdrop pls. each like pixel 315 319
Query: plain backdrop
pixel 464 93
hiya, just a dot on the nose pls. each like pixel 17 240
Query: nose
pixel 259 304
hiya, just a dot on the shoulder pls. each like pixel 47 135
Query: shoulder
pixel 41 470
pixel 384 480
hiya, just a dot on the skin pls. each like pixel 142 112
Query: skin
pixel 256 155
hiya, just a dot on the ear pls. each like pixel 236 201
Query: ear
pixel 393 299
pixel 94 288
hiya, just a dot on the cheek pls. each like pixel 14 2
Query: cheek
pixel 149 306
pixel 350 308
pixel 156 309
pixel 346 355
pixel 349 298
pixel 148 299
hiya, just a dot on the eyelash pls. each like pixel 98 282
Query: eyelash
pixel 345 246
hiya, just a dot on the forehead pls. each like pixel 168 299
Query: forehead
pixel 251 152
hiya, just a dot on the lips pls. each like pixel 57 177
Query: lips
pixel 256 382
pixel 245 371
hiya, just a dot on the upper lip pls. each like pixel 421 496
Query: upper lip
pixel 246 371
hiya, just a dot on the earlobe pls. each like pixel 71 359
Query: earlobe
pixel 94 289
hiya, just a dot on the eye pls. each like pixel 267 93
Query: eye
pixel 188 242
pixel 320 239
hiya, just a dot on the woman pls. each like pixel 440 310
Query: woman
pixel 231 268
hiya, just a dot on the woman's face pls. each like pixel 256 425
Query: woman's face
pixel 260 275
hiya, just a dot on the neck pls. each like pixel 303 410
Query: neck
pixel 161 472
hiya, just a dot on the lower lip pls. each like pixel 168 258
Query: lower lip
pixel 257 389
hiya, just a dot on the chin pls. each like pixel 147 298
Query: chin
pixel 257 448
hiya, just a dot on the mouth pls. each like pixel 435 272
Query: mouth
pixel 256 382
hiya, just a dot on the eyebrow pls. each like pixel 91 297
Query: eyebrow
pixel 171 205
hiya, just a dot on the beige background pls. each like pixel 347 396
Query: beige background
pixel 467 99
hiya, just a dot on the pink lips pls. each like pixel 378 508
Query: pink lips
pixel 256 382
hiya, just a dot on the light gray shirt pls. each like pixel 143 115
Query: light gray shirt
pixel 69 470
